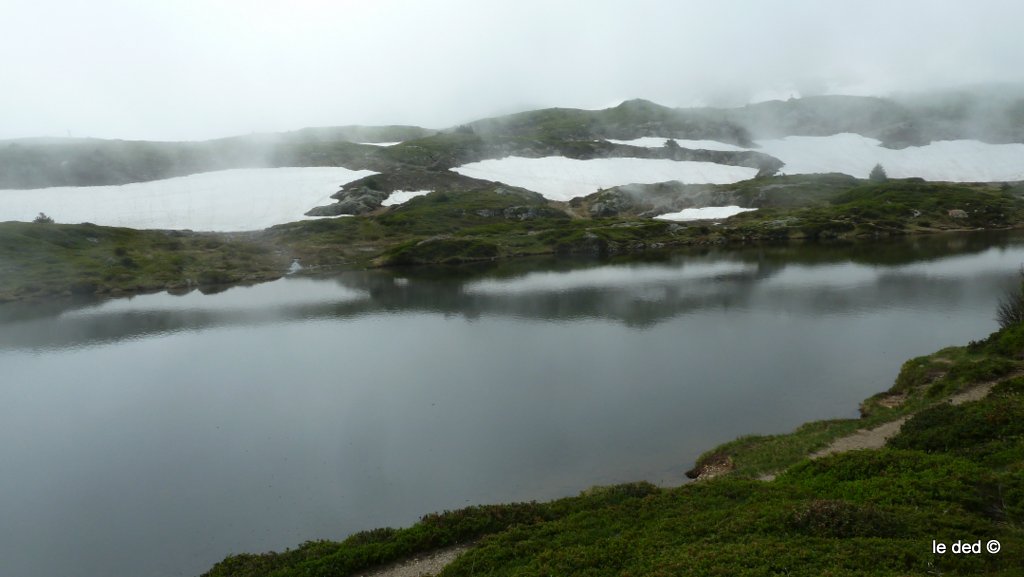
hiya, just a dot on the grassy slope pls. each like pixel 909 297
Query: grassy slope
pixel 37 163
pixel 53 259
pixel 489 222
pixel 891 208
pixel 952 473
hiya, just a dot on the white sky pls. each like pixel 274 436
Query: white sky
pixel 194 69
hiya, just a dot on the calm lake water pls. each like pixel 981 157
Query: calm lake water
pixel 153 436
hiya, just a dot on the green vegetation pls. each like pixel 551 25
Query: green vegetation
pixel 370 548
pixel 953 472
pixel 921 383
pixel 894 207
pixel 477 221
pixel 440 151
pixel 44 259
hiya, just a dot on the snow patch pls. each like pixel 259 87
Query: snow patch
pixel 856 155
pixel 658 142
pixel 402 196
pixel 561 179
pixel 381 143
pixel 705 213
pixel 224 201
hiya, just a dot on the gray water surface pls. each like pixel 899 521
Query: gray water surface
pixel 153 436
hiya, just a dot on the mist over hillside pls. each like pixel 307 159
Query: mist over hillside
pixel 993 115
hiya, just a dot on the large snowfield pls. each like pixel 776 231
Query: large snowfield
pixel 253 199
pixel 560 178
pixel 706 213
pixel 856 155
pixel 224 201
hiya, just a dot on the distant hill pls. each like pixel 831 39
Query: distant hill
pixel 990 115
pixel 44 162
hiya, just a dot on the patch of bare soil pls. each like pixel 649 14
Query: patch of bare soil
pixel 423 565
pixel 876 438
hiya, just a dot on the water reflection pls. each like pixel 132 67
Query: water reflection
pixel 155 435
pixel 817 279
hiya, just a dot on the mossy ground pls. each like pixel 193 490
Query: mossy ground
pixel 498 222
pixel 896 207
pixel 43 260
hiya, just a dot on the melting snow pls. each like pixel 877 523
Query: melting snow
pixel 402 196
pixel 705 213
pixel 226 200
pixel 380 143
pixel 856 155
pixel 560 178
pixel 252 199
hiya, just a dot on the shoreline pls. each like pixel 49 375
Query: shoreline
pixel 75 290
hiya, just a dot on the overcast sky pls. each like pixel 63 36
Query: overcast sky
pixel 194 69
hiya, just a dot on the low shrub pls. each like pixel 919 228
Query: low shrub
pixel 961 429
pixel 834 518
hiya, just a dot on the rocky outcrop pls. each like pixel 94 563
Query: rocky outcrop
pixel 654 199
pixel 646 200
pixel 366 194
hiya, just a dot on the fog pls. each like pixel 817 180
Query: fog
pixel 197 69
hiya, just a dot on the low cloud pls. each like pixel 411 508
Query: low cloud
pixel 202 69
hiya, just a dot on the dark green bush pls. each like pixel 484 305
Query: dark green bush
pixel 1008 342
pixel 971 372
pixel 442 251
pixel 1014 386
pixel 379 535
pixel 891 477
pixel 215 277
pixel 915 373
pixel 959 429
pixel 833 518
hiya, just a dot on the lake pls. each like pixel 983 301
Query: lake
pixel 155 435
